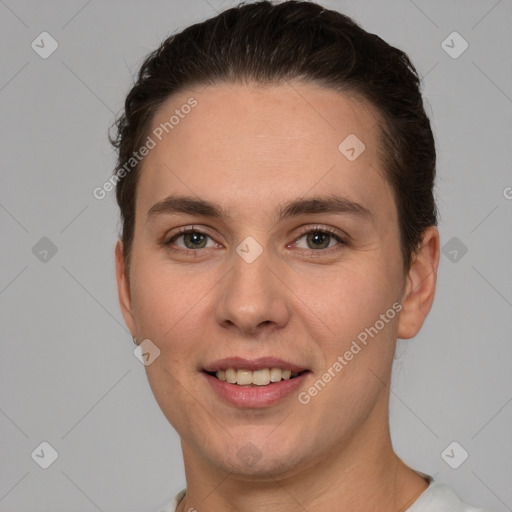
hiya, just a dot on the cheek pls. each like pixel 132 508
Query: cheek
pixel 348 298
pixel 357 352
pixel 171 307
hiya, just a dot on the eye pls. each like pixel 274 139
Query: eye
pixel 312 239
pixel 191 239
pixel 319 238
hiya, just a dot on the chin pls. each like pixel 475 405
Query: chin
pixel 245 458
pixel 264 469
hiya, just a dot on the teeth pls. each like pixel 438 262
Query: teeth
pixel 244 377
pixel 230 375
pixel 257 378
pixel 260 377
pixel 276 374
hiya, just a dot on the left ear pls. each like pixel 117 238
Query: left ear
pixel 420 285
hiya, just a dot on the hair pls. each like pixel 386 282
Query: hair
pixel 269 44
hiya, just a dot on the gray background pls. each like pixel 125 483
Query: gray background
pixel 68 373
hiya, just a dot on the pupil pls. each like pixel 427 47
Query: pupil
pixel 319 238
pixel 195 240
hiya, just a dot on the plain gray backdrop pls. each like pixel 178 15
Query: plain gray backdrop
pixel 69 377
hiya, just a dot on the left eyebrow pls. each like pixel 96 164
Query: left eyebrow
pixel 305 206
pixel 330 204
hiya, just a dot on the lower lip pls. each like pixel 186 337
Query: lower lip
pixel 255 396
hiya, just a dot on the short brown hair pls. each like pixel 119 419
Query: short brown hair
pixel 270 43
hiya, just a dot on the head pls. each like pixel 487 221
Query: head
pixel 283 208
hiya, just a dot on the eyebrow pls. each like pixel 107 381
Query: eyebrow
pixel 193 206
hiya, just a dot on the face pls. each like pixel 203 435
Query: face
pixel 289 260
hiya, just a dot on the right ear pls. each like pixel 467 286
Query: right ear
pixel 123 288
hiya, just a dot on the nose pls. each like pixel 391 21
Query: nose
pixel 252 300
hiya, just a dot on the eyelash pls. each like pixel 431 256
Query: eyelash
pixel 323 230
pixel 306 231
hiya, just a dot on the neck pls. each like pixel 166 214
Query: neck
pixel 362 475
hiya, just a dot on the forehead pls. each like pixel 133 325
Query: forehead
pixel 254 115
pixel 254 143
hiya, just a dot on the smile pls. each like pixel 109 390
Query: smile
pixel 254 383
pixel 263 377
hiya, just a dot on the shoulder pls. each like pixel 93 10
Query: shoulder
pixel 436 498
pixel 440 498
pixel 173 504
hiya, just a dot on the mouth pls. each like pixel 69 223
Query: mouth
pixel 250 378
pixel 254 383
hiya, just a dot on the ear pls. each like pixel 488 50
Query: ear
pixel 123 288
pixel 420 285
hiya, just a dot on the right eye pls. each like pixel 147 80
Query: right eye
pixel 190 239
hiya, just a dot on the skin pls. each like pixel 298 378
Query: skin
pixel 250 149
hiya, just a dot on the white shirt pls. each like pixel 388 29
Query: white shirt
pixel 435 498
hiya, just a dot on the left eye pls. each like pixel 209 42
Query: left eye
pixel 318 239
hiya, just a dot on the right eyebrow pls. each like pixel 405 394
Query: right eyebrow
pixel 187 205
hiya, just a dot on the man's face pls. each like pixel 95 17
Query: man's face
pixel 265 280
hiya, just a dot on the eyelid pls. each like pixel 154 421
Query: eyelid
pixel 339 236
pixel 322 229
pixel 183 230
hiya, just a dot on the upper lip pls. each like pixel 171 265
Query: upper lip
pixel 260 363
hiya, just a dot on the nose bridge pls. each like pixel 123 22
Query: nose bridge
pixel 251 295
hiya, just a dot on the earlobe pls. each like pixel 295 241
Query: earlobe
pixel 123 288
pixel 420 285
